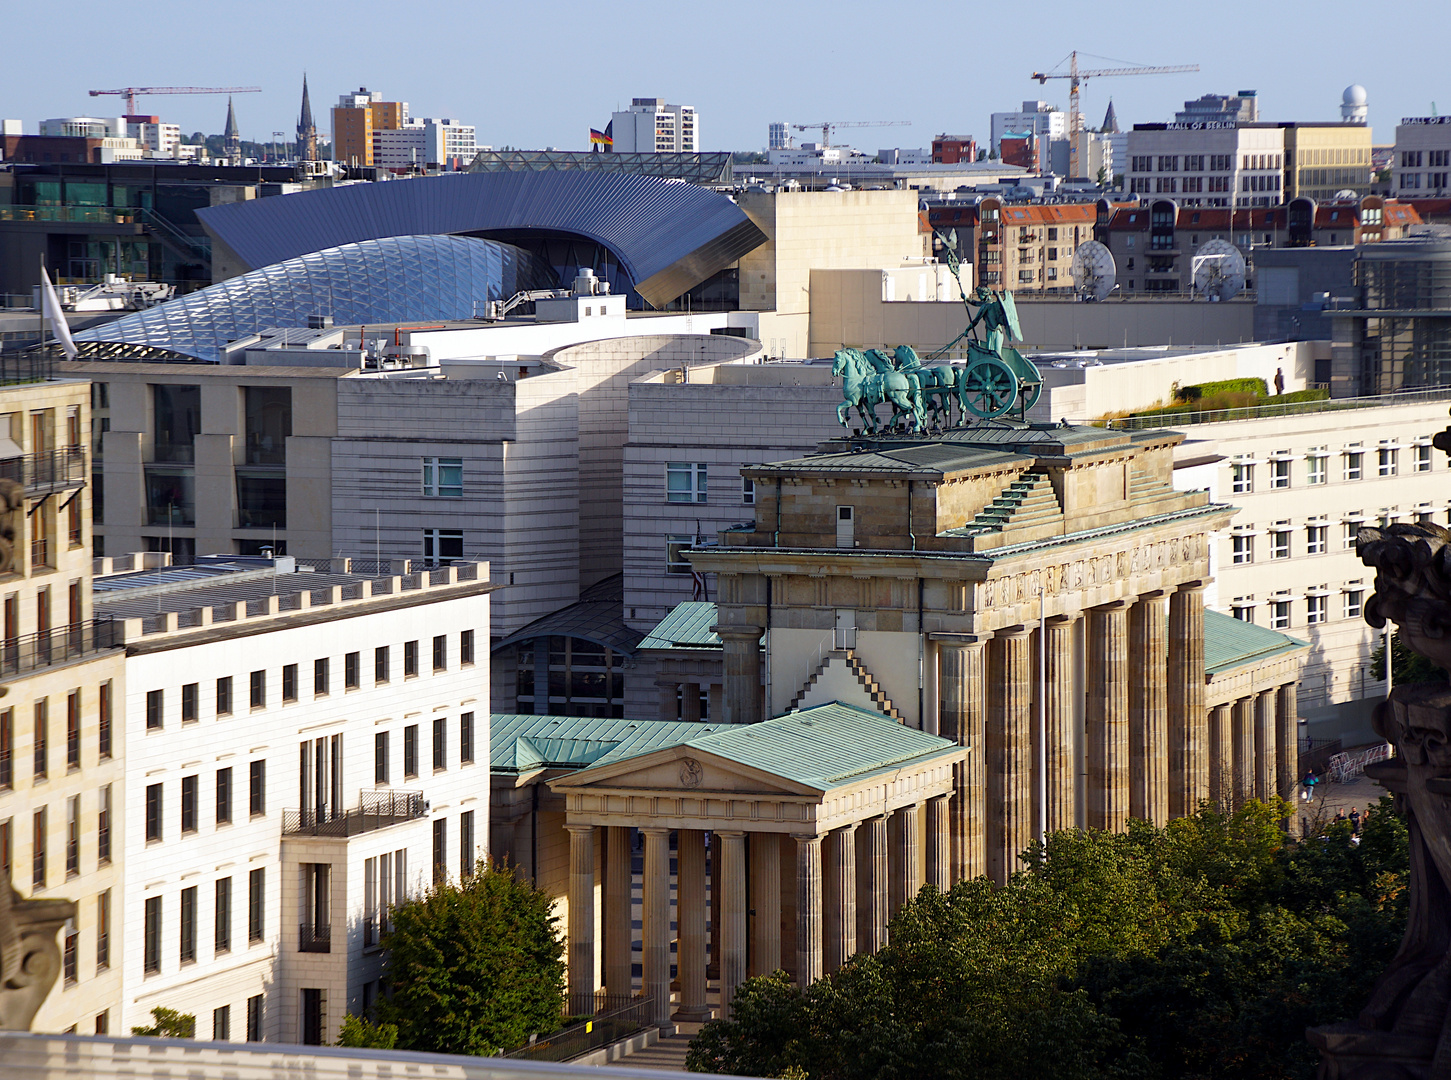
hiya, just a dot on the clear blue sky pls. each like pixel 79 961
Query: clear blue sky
pixel 533 75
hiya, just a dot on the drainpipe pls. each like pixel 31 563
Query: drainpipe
pixel 909 516
pixel 776 539
pixel 921 662
pixel 534 837
pixel 767 643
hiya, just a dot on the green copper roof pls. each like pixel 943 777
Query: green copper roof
pixel 688 626
pixel 1230 643
pixel 520 743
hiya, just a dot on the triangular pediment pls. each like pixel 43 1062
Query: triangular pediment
pixel 682 768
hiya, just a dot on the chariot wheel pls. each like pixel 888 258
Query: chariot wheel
pixel 1032 392
pixel 992 387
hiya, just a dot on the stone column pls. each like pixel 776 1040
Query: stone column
pixel 962 709
pixel 1009 752
pixel 809 956
pixel 1265 769
pixel 581 919
pixel 619 916
pixel 872 901
pixel 1242 740
pixel 690 923
pixel 1149 709
pixel 1108 716
pixel 731 881
pixel 690 701
pixel 1220 746
pixel 1188 756
pixel 1060 717
pixel 1287 742
pixel 939 843
pixel 839 891
pixel 765 903
pixel 905 859
pixel 669 703
pixel 656 922
pixel 741 649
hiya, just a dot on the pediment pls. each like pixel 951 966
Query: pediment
pixel 682 769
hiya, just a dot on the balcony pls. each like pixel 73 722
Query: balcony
pixel 48 471
pixel 26 366
pixel 314 937
pixel 33 652
pixel 375 810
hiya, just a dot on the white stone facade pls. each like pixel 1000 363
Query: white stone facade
pixel 1421 164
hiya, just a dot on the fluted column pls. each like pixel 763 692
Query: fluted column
pixel 809 954
pixel 741 661
pixel 1220 745
pixel 690 701
pixel 669 699
pixel 1009 764
pixel 840 897
pixel 619 914
pixel 731 881
pixel 962 710
pixel 905 859
pixel 1149 709
pixel 1108 716
pixel 1287 742
pixel 1265 769
pixel 1188 755
pixel 1060 714
pixel 690 923
pixel 872 903
pixel 581 919
pixel 939 843
pixel 766 903
pixel 1243 747
pixel 656 922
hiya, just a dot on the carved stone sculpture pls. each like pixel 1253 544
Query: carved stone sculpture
pixel 12 505
pixel 29 956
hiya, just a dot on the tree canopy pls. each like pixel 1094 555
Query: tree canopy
pixel 1203 949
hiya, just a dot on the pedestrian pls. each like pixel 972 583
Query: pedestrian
pixel 1309 785
pixel 1279 380
pixel 1354 821
pixel 1339 816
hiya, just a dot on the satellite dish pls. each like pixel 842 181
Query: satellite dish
pixel 1218 269
pixel 1347 195
pixel 1093 271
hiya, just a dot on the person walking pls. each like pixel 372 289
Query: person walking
pixel 1308 794
pixel 1354 821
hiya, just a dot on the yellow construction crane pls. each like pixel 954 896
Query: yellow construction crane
pixel 132 92
pixel 828 126
pixel 1075 77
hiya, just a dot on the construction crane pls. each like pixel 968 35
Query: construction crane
pixel 828 126
pixel 1076 77
pixel 132 92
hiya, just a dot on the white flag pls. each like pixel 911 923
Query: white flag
pixel 50 309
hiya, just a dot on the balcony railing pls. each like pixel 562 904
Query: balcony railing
pixel 314 937
pixel 24 366
pixel 32 652
pixel 375 810
pixel 47 471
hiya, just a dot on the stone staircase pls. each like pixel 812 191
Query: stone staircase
pixel 870 687
pixel 1027 501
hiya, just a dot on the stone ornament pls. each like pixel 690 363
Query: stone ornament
pixel 12 505
pixel 30 959
pixel 691 773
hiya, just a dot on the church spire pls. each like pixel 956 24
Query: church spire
pixel 306 129
pixel 1110 120
pixel 231 137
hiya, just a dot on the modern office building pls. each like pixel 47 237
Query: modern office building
pixel 357 118
pixel 1207 163
pixel 1421 164
pixel 1037 118
pixel 437 142
pixel 1395 334
pixel 1239 108
pixel 651 125
pixel 1325 161
pixel 779 136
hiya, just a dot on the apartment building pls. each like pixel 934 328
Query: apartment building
pixel 1044 122
pixel 303 749
pixel 357 120
pixel 654 126
pixel 1421 164
pixel 62 748
pixel 1207 162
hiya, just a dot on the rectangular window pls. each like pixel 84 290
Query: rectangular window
pixel 1244 547
pixel 1354 603
pixel 254 1018
pixel 370 901
pixel 1242 478
pixel 1315 467
pixel 189 803
pixel 41 757
pixel 382 667
pixel 259 689
pixel 39 826
pixel 410 751
pixel 1353 522
pixel 152 945
pixel 1243 609
pixel 73 730
pixel 153 812
pixel 68 960
pixel 1353 463
pixel 410 659
pixel 155 709
pixel 188 925
pixel 224 796
pixel 103 1022
pixel 289 682
pixel 1315 609
pixel 222 1024
pixel 440 735
pixel 314 1016
pixel 256 904
pixel 466 738
pixel 222 908
pixel 466 648
pixel 443 477
pixel 1316 539
pixel 7 849
pixel 257 788
pixel 1280 542
pixel 748 491
pixel 103 827
pixel 675 547
pixel 380 757
pixel 465 844
pixel 440 652
pixel 1387 461
pixel 440 850
pixel 442 545
pixel 1279 614
pixel 73 836
pixel 319 676
pixel 685 482
pixel 7 749
pixel 1280 473
pixel 103 930
pixel 224 696
pixel 352 679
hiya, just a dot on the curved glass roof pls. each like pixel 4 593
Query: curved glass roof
pixel 396 279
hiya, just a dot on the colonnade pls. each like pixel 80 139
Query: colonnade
pixel 1253 747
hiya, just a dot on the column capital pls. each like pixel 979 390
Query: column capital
pixel 1191 586
pixel 1154 594
pixel 1056 621
pixel 1122 604
pixel 1017 631
pixel 579 830
pixel 802 838
pixel 949 637
pixel 738 633
pixel 654 830
pixel 729 834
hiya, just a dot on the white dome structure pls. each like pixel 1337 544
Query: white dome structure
pixel 1353 104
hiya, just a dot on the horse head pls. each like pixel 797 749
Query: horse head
pixel 906 357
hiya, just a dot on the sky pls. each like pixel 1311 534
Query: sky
pixel 532 75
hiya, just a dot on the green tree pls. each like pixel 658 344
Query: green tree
pixel 1406 666
pixel 168 1024
pixel 476 967
pixel 361 1032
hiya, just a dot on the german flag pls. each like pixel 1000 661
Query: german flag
pixel 603 138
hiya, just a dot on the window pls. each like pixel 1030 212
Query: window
pixel 103 930
pixel 410 659
pixel 314 1016
pixel 1279 613
pixel 188 803
pixel 153 812
pixel 254 1018
pixel 259 689
pixel 7 848
pixel 443 477
pixel 410 751
pixel 1315 465
pixel 1354 602
pixel 155 706
pixel 1353 521
pixel 1244 547
pixel 440 652
pixel 466 844
pixel 224 696
pixel 42 728
pixel 352 678
pixel 103 1022
pixel 224 796
pixel 685 482
pixel 466 738
pixel 675 546
pixel 1315 608
pixel 441 545
pixel 1387 460
pixel 1353 462
pixel 466 648
pixel 748 491
pixel 256 904
pixel 1280 540
pixel 68 960
pixel 7 749
pixel 1316 539
pixel 73 730
pixel 73 836
pixel 381 664
pixel 38 831
pixel 440 851
pixel 289 682
pixel 153 935
pixel 222 908
pixel 257 795
pixel 1242 478
pixel 1423 457
pixel 1243 608
pixel 320 677
pixel 440 737
pixel 103 827
pixel 1280 472
pixel 222 1024
pixel 188 925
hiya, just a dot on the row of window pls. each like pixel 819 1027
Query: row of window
pixel 1414 159
pixel 1141 163
pixel 223 916
pixel 382 756
pixel 686 482
pixel 1434 180
pixel 1280 465
pixel 1317 533
pixel 1281 606
pixel 40 741
pixel 71 947
pixel 322 681
pixel 190 802
pixel 40 838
